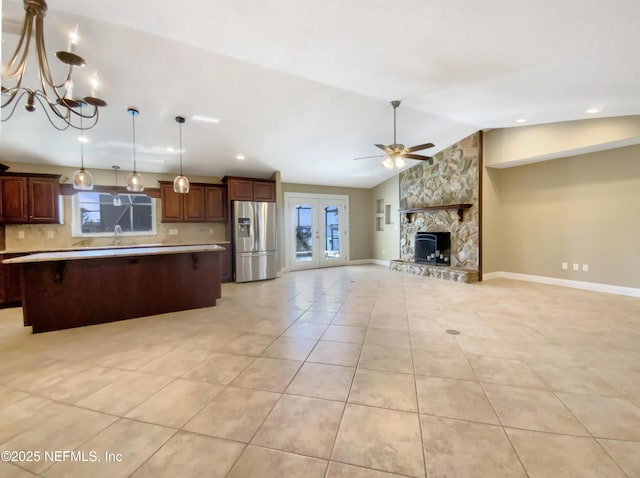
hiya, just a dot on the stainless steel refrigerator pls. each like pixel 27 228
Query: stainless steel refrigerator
pixel 254 240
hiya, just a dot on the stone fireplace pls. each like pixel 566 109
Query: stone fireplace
pixel 452 179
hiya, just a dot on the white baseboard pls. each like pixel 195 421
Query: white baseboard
pixel 575 284
pixel 355 262
pixel 380 262
pixel 358 262
pixel 492 275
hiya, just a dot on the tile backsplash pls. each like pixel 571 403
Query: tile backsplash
pixel 34 237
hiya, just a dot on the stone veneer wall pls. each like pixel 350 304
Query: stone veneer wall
pixel 452 179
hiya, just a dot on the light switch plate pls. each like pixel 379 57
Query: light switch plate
pixel 20 234
pixel 173 232
pixel 576 267
pixel 565 266
pixel 50 234
pixel 585 267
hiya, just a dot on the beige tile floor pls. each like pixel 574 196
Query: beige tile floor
pixel 343 372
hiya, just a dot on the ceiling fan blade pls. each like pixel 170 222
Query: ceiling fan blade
pixel 384 148
pixel 418 157
pixel 420 147
pixel 367 157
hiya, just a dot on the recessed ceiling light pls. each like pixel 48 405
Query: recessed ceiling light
pixel 240 157
pixel 205 119
pixel 521 120
pixel 83 139
pixel 593 110
pixel 169 149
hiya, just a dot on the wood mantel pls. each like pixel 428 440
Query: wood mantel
pixel 411 211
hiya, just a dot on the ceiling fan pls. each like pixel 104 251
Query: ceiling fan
pixel 395 153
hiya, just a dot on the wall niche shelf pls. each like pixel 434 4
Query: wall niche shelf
pixel 411 211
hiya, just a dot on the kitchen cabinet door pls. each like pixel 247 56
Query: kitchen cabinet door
pixel 43 200
pixel 225 264
pixel 193 209
pixel 172 204
pixel 215 204
pixel 10 281
pixel 264 191
pixel 14 199
pixel 240 189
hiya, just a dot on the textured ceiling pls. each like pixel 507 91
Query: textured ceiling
pixel 303 86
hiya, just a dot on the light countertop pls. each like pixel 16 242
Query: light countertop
pixel 112 252
pixel 93 248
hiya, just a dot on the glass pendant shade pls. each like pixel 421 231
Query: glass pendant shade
pixel 135 183
pixel 399 162
pixel 82 180
pixel 388 162
pixel 181 184
pixel 134 180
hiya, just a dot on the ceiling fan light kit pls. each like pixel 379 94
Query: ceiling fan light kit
pixel 395 154
pixel 56 99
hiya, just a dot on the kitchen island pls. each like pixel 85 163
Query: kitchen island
pixel 61 290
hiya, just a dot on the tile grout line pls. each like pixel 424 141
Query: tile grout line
pixel 346 402
pixel 504 432
pixel 592 436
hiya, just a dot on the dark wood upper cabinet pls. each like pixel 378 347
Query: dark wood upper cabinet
pixel 29 198
pixel 203 203
pixel 172 204
pixel 248 189
pixel 264 191
pixel 15 191
pixel 215 204
pixel 43 200
pixel 240 189
pixel 194 204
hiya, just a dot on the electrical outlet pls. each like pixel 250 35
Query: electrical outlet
pixel 173 232
pixel 585 267
pixel 20 234
pixel 576 267
pixel 50 234
pixel 565 266
pixel 210 231
pixel 383 252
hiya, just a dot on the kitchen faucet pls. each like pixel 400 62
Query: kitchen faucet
pixel 116 230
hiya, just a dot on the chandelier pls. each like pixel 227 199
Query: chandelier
pixel 56 99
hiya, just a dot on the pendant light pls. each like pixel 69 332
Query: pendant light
pixel 82 179
pixel 134 180
pixel 181 183
pixel 116 198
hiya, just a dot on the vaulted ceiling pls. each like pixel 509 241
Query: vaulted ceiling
pixel 303 86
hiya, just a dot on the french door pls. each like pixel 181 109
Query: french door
pixel 317 230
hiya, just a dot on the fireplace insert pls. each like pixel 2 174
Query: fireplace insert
pixel 433 248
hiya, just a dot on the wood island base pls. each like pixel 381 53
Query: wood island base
pixel 62 294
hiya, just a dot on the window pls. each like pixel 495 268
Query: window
pixel 97 214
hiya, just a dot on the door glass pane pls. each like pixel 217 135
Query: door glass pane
pixel 331 232
pixel 304 230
